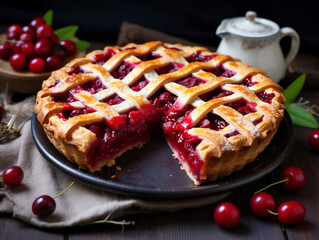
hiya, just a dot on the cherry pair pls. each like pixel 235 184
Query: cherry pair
pixel 263 204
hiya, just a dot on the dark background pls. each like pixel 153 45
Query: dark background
pixel 195 21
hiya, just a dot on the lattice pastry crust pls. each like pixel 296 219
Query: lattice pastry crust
pixel 220 150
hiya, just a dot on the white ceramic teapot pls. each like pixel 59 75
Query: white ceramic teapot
pixel 255 41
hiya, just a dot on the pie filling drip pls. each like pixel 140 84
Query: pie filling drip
pixel 164 107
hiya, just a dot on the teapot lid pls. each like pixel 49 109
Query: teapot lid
pixel 249 26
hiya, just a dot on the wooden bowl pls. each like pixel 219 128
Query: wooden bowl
pixel 26 81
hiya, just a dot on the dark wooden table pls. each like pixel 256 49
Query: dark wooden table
pixel 198 223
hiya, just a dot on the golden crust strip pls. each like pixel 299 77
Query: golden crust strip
pixel 244 126
pixel 104 109
pixel 71 124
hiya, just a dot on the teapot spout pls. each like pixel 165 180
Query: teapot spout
pixel 221 30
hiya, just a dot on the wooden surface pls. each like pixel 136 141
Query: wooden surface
pixel 198 223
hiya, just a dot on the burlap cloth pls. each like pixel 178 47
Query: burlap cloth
pixel 81 204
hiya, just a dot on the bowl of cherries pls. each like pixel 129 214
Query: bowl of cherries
pixel 28 54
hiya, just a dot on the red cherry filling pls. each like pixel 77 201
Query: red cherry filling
pixel 66 114
pixel 221 71
pixel 242 106
pixel 93 86
pixel 139 85
pixel 185 146
pixel 125 68
pixel 216 93
pixel 76 70
pixel 102 58
pixel 183 143
pixel 191 81
pixel 197 57
pixel 148 57
pixel 169 68
pixel 113 100
pixel 265 97
pixel 110 142
pixel 248 82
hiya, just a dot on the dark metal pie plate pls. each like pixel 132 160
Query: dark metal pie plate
pixel 152 172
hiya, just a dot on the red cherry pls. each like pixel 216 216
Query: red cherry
pixel 5 50
pixel 37 65
pixel 53 63
pixel 69 46
pixel 226 215
pixel 18 61
pixel 313 140
pixel 42 47
pixel 291 212
pixel 30 30
pixel 26 37
pixel 13 36
pixel 37 22
pixel 58 50
pixel 54 39
pixel 43 206
pixel 296 178
pixel 12 176
pixel 27 49
pixel 16 47
pixel 44 31
pixel 14 31
pixel 261 202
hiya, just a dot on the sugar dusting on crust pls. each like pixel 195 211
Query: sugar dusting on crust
pixel 247 125
pixel 227 146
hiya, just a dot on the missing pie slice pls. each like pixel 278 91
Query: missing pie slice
pixel 216 112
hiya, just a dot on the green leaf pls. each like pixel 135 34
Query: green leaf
pixel 48 17
pixel 66 33
pixel 293 90
pixel 82 45
pixel 300 116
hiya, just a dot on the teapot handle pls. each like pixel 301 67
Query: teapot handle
pixel 295 43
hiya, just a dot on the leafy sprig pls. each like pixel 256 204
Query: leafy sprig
pixel 66 33
pixel 299 113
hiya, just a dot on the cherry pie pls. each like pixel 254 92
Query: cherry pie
pixel 216 112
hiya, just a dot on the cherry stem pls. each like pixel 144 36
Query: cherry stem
pixel 1 180
pixel 273 213
pixel 72 183
pixel 106 220
pixel 11 41
pixel 275 183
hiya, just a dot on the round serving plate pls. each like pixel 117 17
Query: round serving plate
pixel 152 171
pixel 25 81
